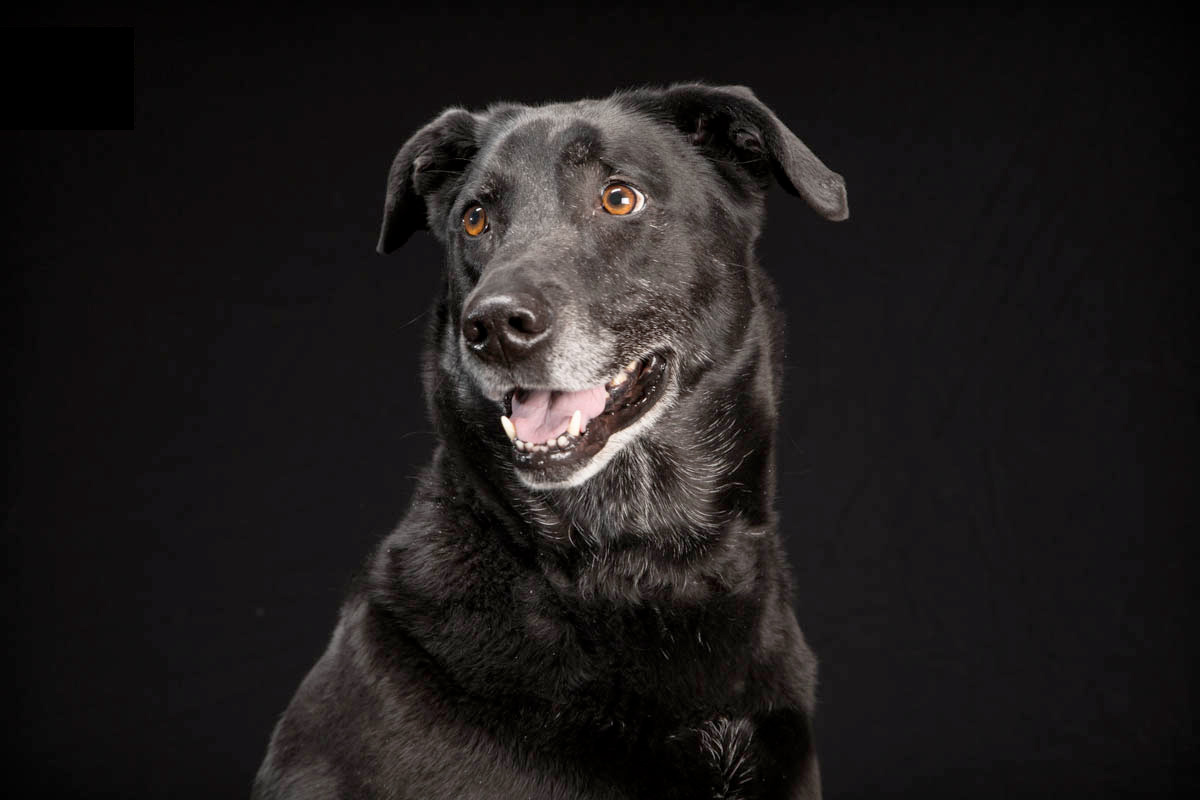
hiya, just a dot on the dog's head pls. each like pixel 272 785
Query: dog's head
pixel 599 258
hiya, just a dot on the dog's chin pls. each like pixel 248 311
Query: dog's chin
pixel 591 435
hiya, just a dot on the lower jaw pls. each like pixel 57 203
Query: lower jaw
pixel 555 476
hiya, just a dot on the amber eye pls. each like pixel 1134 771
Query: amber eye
pixel 475 221
pixel 621 199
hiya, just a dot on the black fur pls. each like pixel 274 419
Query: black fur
pixel 632 635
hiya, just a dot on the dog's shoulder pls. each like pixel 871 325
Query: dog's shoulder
pixel 343 711
pixel 394 707
pixel 375 718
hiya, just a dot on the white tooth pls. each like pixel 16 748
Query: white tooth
pixel 541 448
pixel 509 428
pixel 563 441
pixel 632 366
pixel 576 423
pixel 618 379
pixel 551 442
pixel 520 445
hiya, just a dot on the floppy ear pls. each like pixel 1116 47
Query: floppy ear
pixel 731 124
pixel 424 166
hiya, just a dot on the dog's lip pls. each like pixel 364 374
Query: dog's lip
pixel 630 393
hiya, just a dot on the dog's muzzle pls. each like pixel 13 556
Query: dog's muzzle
pixel 556 423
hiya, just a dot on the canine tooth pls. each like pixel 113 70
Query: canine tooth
pixel 632 366
pixel 576 423
pixel 618 379
pixel 563 441
pixel 509 428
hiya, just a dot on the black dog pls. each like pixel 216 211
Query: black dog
pixel 587 598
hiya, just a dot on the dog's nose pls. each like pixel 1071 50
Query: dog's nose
pixel 507 327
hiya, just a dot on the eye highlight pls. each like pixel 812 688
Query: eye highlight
pixel 621 199
pixel 475 220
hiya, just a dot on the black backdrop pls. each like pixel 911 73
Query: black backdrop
pixel 988 450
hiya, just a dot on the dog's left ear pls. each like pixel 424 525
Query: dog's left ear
pixel 426 164
pixel 734 126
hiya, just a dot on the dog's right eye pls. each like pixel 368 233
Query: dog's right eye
pixel 475 221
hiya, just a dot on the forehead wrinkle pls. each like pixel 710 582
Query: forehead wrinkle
pixel 505 146
pixel 515 166
pixel 516 140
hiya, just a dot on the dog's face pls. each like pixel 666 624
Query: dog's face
pixel 597 256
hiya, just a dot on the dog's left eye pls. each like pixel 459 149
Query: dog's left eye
pixel 621 199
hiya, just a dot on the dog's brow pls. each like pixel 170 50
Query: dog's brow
pixel 580 142
pixel 489 188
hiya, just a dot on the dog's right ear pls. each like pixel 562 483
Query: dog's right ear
pixel 424 167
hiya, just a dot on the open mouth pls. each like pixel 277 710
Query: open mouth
pixel 561 429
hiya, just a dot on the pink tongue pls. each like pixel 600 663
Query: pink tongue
pixel 543 414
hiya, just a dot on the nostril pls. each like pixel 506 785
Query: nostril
pixel 474 331
pixel 525 322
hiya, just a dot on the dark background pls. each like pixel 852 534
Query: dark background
pixel 988 455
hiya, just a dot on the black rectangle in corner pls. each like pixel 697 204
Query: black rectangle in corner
pixel 67 78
